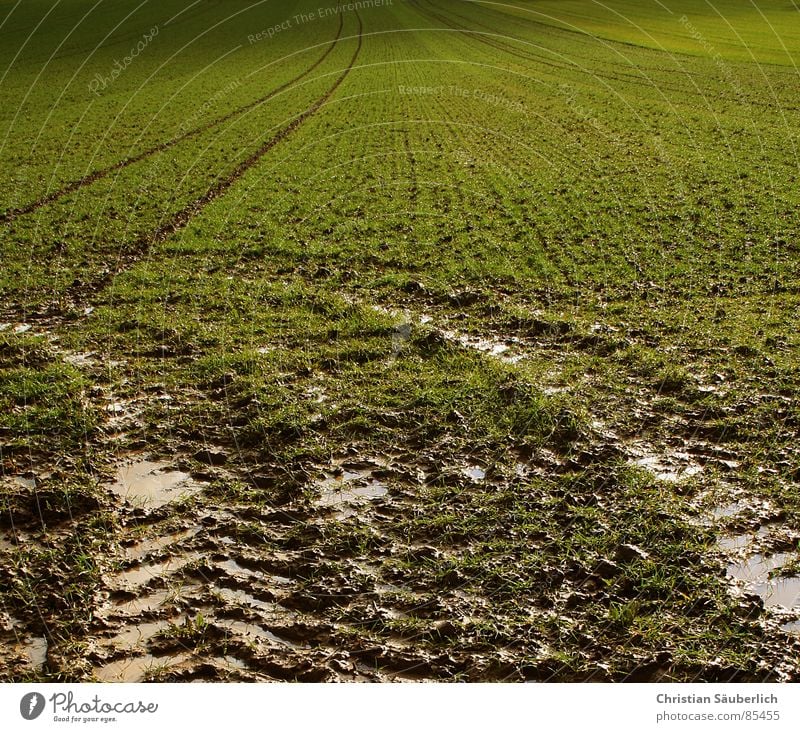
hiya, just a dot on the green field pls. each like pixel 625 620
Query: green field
pixel 418 340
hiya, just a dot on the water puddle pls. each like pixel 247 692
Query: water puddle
pixel 667 471
pixel 735 543
pixel 133 670
pixel 250 630
pixel 136 635
pixel 22 482
pixel 504 350
pixel 782 591
pixel 474 472
pixel 500 349
pixel 36 650
pixel 240 597
pixel 231 566
pixel 232 662
pixel 80 360
pixel 138 576
pixel 392 313
pixel 755 571
pixel 143 604
pixel 349 488
pixel 316 394
pixel 151 546
pixel 728 510
pixel 148 484
pixel 671 467
pixel 732 544
pixel 386 588
pixel 152 601
pixel 756 568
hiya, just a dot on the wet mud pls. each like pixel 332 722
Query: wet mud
pixel 323 578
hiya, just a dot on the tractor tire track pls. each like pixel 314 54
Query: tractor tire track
pixel 492 42
pixel 182 217
pixel 525 55
pixel 75 185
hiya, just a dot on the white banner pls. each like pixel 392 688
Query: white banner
pixel 398 707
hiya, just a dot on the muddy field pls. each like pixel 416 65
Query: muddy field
pixel 420 559
pixel 490 380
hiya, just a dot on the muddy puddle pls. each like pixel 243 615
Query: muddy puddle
pixel 752 569
pixel 240 597
pixel 348 488
pixel 733 544
pixel 251 632
pixel 146 604
pixel 134 636
pixel 234 569
pixel 36 651
pixel 142 575
pixel 133 670
pixel 232 662
pixel 475 472
pixel 80 360
pixel 21 481
pixel 670 467
pixel 149 484
pixel 756 572
pixel 145 547
pixel 728 509
pixel 507 349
